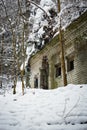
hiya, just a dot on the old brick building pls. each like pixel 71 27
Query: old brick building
pixel 46 63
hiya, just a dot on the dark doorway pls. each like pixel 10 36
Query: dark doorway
pixel 35 82
pixel 44 73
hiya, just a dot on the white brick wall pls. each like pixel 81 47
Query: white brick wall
pixel 52 51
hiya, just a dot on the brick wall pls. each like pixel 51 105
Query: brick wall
pixel 75 45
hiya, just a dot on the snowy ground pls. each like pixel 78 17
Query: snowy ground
pixel 64 108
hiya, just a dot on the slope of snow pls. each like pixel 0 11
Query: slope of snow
pixel 64 108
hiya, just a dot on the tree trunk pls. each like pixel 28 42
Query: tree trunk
pixel 63 68
pixel 22 80
pixel 14 88
pixel 23 60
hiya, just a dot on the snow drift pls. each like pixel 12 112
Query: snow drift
pixel 64 108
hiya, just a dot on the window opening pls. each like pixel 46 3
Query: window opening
pixel 70 64
pixel 58 70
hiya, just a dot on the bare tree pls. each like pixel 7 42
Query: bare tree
pixel 17 27
pixel 62 49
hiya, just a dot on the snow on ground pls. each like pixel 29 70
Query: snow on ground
pixel 64 108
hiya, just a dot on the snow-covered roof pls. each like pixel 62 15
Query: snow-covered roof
pixel 70 10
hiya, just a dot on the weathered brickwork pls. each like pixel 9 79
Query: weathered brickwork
pixel 75 48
